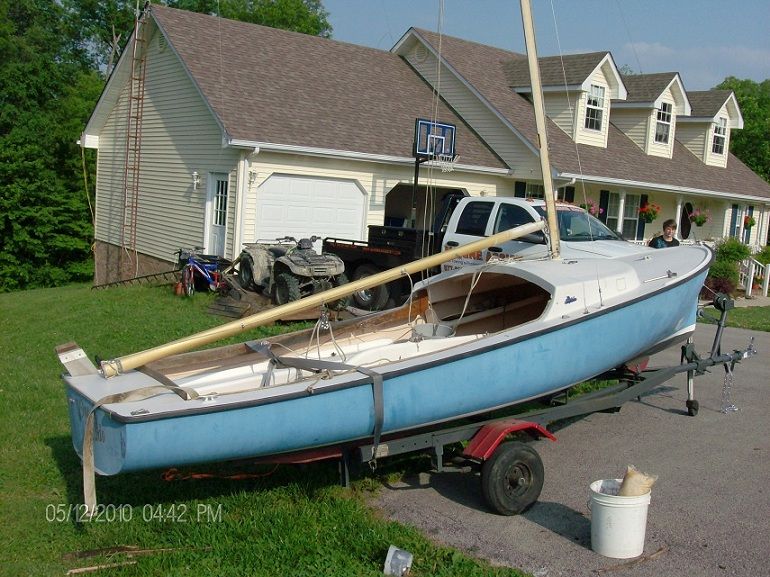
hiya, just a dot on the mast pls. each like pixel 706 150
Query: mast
pixel 537 101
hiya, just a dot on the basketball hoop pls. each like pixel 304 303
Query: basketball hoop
pixel 446 162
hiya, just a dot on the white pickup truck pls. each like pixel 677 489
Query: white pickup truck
pixel 581 234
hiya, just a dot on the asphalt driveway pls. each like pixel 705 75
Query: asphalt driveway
pixel 710 509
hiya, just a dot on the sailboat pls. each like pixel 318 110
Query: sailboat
pixel 466 342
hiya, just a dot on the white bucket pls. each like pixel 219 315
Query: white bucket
pixel 397 562
pixel 618 524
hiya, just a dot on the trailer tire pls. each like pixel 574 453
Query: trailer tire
pixel 286 288
pixel 373 299
pixel 512 478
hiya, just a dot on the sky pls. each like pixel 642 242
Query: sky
pixel 704 40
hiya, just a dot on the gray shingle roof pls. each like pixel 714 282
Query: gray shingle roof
pixel 570 69
pixel 274 86
pixel 485 68
pixel 707 103
pixel 647 87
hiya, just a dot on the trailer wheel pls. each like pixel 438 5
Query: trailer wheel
pixel 692 407
pixel 512 478
pixel 286 288
pixel 372 299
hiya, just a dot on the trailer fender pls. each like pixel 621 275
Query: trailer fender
pixel 488 437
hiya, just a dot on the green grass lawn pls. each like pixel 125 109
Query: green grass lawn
pixel 284 521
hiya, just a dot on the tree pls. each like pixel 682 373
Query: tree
pixel 99 28
pixel 46 92
pixel 752 144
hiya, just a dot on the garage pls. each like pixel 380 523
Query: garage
pixel 304 206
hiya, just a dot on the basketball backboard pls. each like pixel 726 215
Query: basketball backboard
pixel 434 139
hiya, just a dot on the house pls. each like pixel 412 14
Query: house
pixel 216 133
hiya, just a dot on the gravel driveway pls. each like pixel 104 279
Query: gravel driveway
pixel 710 509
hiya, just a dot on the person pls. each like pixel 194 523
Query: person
pixel 666 239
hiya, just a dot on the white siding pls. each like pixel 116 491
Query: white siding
pixel 656 148
pixel 718 159
pixel 693 136
pixel 179 136
pixel 634 123
pixel 594 137
pixel 561 109
pixel 375 180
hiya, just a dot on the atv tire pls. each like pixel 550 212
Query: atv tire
pixel 286 288
pixel 246 273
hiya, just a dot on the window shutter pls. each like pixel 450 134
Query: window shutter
pixel 640 223
pixel 604 204
pixel 520 189
pixel 734 221
pixel 569 194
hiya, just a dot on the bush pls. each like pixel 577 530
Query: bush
pixel 732 250
pixel 764 255
pixel 726 270
pixel 717 285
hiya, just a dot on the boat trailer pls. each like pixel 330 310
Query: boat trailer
pixel 512 473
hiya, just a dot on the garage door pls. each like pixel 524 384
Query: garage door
pixel 302 207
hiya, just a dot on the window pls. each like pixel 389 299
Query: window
pixel 535 190
pixel 510 216
pixel 220 203
pixel 663 126
pixel 720 135
pixel 595 108
pixel 630 219
pixel 474 219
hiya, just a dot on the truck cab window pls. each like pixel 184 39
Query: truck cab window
pixel 473 220
pixel 510 216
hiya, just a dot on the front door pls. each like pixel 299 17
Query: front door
pixel 216 214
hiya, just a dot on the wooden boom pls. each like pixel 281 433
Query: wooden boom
pixel 119 365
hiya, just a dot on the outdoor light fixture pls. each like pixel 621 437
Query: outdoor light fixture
pixel 196 180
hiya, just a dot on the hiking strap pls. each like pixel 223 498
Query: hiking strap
pixel 89 470
pixel 317 366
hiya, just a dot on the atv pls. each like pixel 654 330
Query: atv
pixel 286 270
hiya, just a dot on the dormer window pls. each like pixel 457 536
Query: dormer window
pixel 663 126
pixel 720 134
pixel 595 108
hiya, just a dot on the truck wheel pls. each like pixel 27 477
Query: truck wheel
pixel 286 288
pixel 512 478
pixel 246 273
pixel 371 299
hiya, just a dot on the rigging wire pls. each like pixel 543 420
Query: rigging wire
pixel 630 40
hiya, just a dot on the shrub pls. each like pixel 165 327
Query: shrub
pixel 724 269
pixel 764 255
pixel 733 250
pixel 717 285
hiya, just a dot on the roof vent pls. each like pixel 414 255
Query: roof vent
pixel 420 53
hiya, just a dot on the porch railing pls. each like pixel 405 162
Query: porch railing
pixel 752 272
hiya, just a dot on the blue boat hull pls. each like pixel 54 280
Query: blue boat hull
pixel 502 373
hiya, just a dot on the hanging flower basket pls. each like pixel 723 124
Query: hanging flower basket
pixel 748 221
pixel 700 217
pixel 649 212
pixel 592 208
